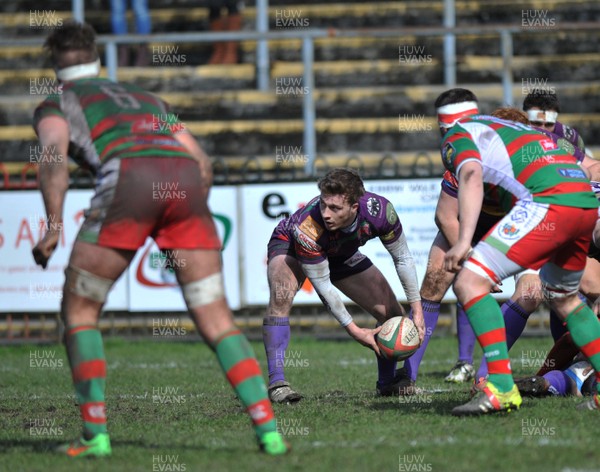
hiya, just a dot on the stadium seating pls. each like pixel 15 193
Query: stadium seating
pixel 361 88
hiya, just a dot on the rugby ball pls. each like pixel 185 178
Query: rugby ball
pixel 398 338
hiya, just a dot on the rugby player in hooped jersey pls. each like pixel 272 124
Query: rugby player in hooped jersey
pixel 543 190
pixel 131 142
pixel 321 241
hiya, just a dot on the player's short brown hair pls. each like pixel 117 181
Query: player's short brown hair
pixel 511 114
pixel 71 44
pixel 342 181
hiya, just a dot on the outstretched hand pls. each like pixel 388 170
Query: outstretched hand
pixel 364 336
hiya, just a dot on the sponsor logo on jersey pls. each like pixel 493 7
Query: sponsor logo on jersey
pixel 388 237
pixel 390 214
pixel 572 173
pixel 355 259
pixel 548 145
pixel 509 231
pixel 519 216
pixel 448 154
pixel 311 228
pixel 306 242
pixel 96 411
pixel 373 206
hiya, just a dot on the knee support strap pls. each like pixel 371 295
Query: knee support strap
pixel 204 291
pixel 87 285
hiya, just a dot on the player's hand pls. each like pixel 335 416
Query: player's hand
pixel 419 321
pixel 364 336
pixel 44 249
pixel 454 258
pixel 496 288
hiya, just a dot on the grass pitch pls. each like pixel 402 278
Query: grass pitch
pixel 170 409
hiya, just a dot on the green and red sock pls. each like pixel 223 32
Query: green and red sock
pixel 486 319
pixel 585 332
pixel 88 369
pixel 239 363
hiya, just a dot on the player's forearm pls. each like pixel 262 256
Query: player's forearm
pixel 53 133
pixel 318 274
pixel 54 183
pixel 405 267
pixel 446 217
pixel 470 198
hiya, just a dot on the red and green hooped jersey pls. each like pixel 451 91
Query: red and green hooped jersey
pixel 113 120
pixel 522 163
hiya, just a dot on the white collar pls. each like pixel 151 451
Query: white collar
pixel 79 71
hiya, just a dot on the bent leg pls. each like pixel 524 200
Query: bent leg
pixel 435 284
pixel 561 286
pixel 285 278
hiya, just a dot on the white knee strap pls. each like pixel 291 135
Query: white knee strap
pixel 87 285
pixel 204 291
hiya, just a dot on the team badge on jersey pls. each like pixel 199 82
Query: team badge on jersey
pixel 569 133
pixel 390 214
pixel 373 206
pixel 448 154
pixel 509 231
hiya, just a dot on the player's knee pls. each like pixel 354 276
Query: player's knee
pixel 87 285
pixel 204 291
pixel 560 300
pixel 435 284
pixel 528 293
pixel 590 287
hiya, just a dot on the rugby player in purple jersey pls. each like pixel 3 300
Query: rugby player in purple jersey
pixel 321 242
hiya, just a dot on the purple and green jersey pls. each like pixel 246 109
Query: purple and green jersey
pixel 109 120
pixel 518 162
pixel 313 243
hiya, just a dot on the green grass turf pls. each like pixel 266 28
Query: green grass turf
pixel 340 426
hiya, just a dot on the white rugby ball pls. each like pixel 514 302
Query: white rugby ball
pixel 398 338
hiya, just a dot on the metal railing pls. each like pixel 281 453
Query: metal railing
pixel 308 36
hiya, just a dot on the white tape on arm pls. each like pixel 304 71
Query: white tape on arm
pixel 318 275
pixel 405 267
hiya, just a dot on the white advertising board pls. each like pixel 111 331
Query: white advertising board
pixel 25 286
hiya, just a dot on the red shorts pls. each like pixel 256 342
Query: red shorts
pixel 533 234
pixel 150 196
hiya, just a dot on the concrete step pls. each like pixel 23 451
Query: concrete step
pixel 381 72
pixel 251 137
pixel 362 102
